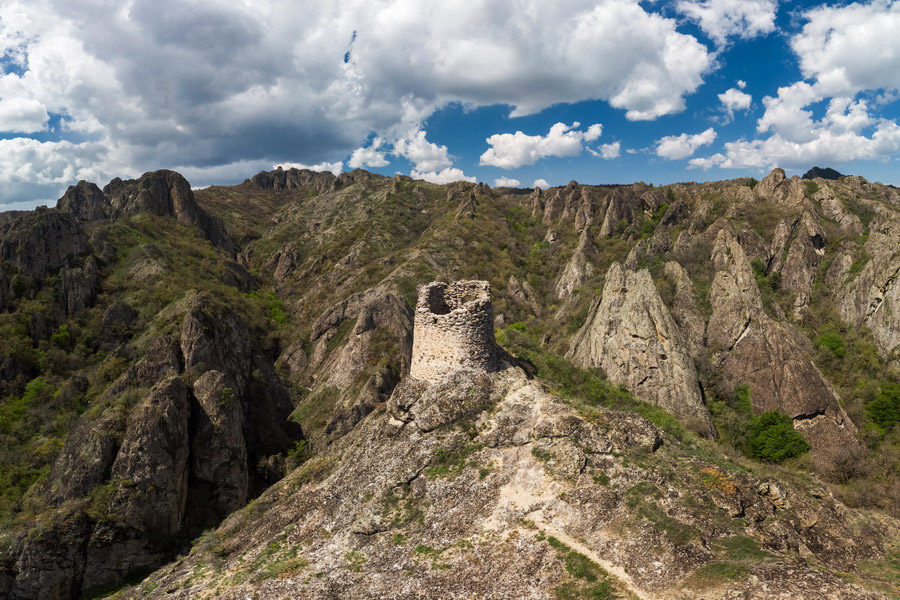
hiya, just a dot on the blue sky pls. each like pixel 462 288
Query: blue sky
pixel 602 91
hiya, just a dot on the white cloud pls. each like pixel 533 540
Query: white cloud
pixel 425 155
pixel 165 83
pixel 676 147
pixel 541 183
pixel 448 175
pixel 608 151
pixel 22 115
pixel 334 167
pixel 846 49
pixel 734 99
pixel 507 182
pixel 368 157
pixel 721 19
pixel 797 140
pixel 513 150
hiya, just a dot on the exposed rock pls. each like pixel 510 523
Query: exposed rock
pixel 684 310
pixel 86 202
pixel 40 243
pixel 872 297
pixel 166 193
pixel 805 252
pixel 152 463
pixel 237 275
pixel 775 187
pixel 118 319
pixel 524 294
pixel 579 268
pixel 467 206
pixel 218 448
pixel 619 209
pixel 86 457
pixel 284 262
pixel 754 350
pixel 820 173
pixel 78 286
pixel 833 208
pixel 631 335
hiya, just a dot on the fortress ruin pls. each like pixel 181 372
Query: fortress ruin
pixel 454 330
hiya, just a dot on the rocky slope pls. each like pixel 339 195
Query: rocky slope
pixel 175 358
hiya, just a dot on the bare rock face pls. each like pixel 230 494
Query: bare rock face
pixel 579 268
pixel 281 179
pixel 86 202
pixel 684 310
pixel 754 350
pixel 454 330
pixel 78 286
pixel 166 193
pixel 631 335
pixel 806 251
pixel 524 294
pixel 872 298
pixel 833 208
pixel 776 187
pixel 153 460
pixel 40 243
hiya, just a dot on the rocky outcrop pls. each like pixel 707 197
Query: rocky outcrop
pixel 86 202
pixel 820 173
pixel 806 251
pixel 776 187
pixel 152 463
pixel 39 243
pixel 281 179
pixel 631 335
pixel 78 286
pixel 872 297
pixel 684 309
pixel 166 193
pixel 752 349
pixel 579 268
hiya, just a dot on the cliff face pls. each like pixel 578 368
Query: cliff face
pixel 245 361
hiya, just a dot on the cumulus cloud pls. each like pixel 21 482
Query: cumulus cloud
pixel 541 183
pixel 507 182
pixel 846 49
pixel 448 175
pixel 847 131
pixel 734 100
pixel 425 155
pixel 23 115
pixel 370 156
pixel 513 150
pixel 206 84
pixel 722 19
pixel 676 147
pixel 608 151
pixel 333 167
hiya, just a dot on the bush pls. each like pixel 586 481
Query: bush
pixel 833 343
pixel 773 438
pixel 884 409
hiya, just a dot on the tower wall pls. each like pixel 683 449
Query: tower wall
pixel 454 330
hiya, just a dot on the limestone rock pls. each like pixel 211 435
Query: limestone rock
pixel 281 179
pixel 631 335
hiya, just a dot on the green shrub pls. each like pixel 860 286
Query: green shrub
pixel 811 187
pixel 772 438
pixel 884 409
pixel 833 343
pixel 62 337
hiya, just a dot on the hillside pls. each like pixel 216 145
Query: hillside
pixel 207 393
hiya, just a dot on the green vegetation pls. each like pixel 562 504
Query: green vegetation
pixel 587 580
pixel 884 409
pixel 450 462
pixel 772 438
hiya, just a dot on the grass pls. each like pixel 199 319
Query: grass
pixel 450 462
pixel 586 579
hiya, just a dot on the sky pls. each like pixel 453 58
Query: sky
pixel 509 92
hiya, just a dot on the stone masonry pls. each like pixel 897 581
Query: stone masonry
pixel 454 330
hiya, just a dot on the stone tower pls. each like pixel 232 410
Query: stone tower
pixel 454 330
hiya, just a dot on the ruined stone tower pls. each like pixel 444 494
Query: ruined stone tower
pixel 454 330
